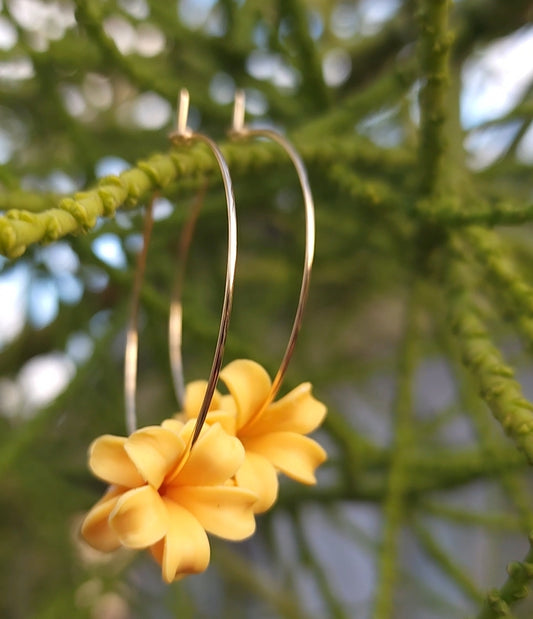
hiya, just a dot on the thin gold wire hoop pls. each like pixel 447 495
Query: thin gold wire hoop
pixel 132 333
pixel 183 135
pixel 240 131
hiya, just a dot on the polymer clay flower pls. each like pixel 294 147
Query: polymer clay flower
pixel 272 433
pixel 165 496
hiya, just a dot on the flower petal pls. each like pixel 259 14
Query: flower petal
pixel 227 403
pixel 258 475
pixel 298 411
pixel 293 454
pixel 139 518
pixel 249 385
pixel 174 425
pixel 225 511
pixel 109 461
pixel 154 451
pixel 95 527
pixel 194 397
pixel 185 547
pixel 227 420
pixel 213 459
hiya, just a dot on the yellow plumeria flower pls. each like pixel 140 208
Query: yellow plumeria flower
pixel 272 433
pixel 165 496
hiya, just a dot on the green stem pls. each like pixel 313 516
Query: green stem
pixel 494 378
pixel 510 482
pixel 398 479
pixel 78 213
pixel 468 517
pixel 515 588
pixel 435 41
pixel 335 609
pixel 500 269
pixel 447 563
pixel 250 578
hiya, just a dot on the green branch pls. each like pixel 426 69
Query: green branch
pixel 89 15
pixel 19 200
pixel 306 56
pixel 472 518
pixel 447 563
pixel 390 86
pixel 516 588
pixel 495 379
pixel 398 479
pixel 451 211
pixel 501 270
pixel 237 570
pixel 445 211
pixel 489 442
pixel 334 606
pixel 434 46
pixel 78 213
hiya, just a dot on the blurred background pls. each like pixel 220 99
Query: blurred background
pixel 87 89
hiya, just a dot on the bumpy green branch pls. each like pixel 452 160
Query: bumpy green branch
pixel 27 201
pixel 516 588
pixel 78 213
pixel 490 444
pixel 505 277
pixel 18 229
pixel 484 361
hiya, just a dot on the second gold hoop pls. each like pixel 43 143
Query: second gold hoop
pixel 240 131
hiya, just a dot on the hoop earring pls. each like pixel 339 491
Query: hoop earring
pixel 240 131
pixel 183 135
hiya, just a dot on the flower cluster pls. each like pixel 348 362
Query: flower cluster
pixel 272 434
pixel 165 495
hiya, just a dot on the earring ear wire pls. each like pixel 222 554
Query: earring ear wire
pixel 239 131
pixel 184 135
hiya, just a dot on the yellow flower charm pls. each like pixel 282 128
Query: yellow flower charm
pixel 272 433
pixel 165 496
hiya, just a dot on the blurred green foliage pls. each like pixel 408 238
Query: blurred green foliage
pixel 418 327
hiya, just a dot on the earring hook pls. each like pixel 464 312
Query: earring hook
pixel 182 132
pixel 239 111
pixel 239 130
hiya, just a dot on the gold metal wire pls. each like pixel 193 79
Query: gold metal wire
pixel 183 135
pixel 176 310
pixel 132 334
pixel 240 131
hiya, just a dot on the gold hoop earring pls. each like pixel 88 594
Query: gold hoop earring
pixel 183 135
pixel 240 131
